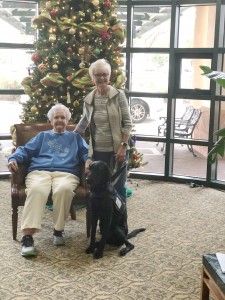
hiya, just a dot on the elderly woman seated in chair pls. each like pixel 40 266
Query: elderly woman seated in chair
pixel 54 158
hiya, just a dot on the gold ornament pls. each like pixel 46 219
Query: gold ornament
pixel 76 103
pixel 33 109
pixel 81 50
pixel 98 13
pixel 72 31
pixel 82 65
pixel 95 2
pixel 52 38
pixel 48 4
pixel 114 16
pixel 55 67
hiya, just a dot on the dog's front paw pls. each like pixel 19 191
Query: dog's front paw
pixel 97 254
pixel 90 250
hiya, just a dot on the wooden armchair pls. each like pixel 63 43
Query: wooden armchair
pixel 24 132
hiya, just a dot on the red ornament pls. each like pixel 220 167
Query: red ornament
pixel 135 157
pixel 53 12
pixel 105 36
pixel 35 57
pixel 108 3
pixel 69 49
pixel 42 67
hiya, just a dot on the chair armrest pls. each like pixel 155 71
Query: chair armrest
pixel 14 185
pixel 82 176
pixel 18 178
pixel 82 191
pixel 164 120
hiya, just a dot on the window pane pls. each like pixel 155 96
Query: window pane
pixel 151 26
pixel 197 26
pixel 149 72
pixel 16 22
pixel 222 90
pixel 220 169
pixel 153 159
pixel 220 160
pixel 186 164
pixel 10 105
pixel 6 147
pixel 222 115
pixel 146 113
pixel 191 74
pixel 13 67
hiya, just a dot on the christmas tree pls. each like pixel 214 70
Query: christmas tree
pixel 71 35
pixel 135 157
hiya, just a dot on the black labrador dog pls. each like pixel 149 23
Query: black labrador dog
pixel 107 210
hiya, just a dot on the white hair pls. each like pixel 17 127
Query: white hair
pixel 100 63
pixel 58 106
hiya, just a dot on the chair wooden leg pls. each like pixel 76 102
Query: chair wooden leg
pixel 88 223
pixel 73 212
pixel 14 221
pixel 88 218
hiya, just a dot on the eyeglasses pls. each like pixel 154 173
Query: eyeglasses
pixel 101 75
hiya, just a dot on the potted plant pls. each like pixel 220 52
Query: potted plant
pixel 219 147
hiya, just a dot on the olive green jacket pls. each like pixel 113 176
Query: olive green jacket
pixel 118 112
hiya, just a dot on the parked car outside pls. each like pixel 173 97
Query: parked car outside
pixel 139 109
pixel 142 108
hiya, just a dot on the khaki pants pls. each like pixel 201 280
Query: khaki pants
pixel 39 184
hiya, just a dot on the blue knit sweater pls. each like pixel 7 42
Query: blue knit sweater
pixel 51 151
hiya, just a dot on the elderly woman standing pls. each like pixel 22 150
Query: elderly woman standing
pixel 106 111
pixel 54 158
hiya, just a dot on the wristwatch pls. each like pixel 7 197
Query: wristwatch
pixel 123 144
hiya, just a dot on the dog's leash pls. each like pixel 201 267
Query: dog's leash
pixel 117 174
